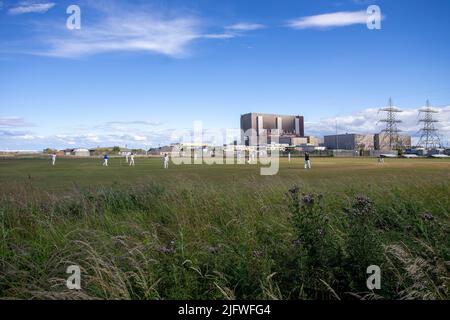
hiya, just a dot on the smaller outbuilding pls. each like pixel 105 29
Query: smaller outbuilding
pixel 81 152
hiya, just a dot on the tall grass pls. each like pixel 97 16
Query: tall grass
pixel 204 241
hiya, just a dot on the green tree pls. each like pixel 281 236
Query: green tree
pixel 116 149
pixel 49 151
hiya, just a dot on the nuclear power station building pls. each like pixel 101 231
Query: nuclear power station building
pixel 283 129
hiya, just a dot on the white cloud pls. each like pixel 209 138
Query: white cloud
pixel 235 30
pixel 139 32
pixel 129 32
pixel 245 26
pixel 13 122
pixel 121 28
pixel 134 32
pixel 328 20
pixel 31 7
pixel 219 36
pixel 134 123
pixel 12 134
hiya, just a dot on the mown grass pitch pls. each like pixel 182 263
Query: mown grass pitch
pixel 199 231
pixel 326 174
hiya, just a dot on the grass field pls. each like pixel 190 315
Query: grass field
pixel 225 232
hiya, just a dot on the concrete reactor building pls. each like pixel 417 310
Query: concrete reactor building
pixel 350 141
pixel 287 129
pixel 382 141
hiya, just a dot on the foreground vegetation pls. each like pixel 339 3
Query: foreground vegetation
pixel 225 232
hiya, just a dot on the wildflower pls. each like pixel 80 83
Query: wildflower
pixel 308 199
pixel 297 242
pixel 362 206
pixel 170 249
pixel 212 249
pixel 293 192
pixel 257 253
pixel 165 250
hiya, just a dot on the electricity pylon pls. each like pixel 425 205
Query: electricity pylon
pixel 429 135
pixel 391 130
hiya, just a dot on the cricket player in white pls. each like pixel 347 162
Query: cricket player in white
pixel 289 157
pixel 126 157
pixel 53 159
pixel 166 161
pixel 132 159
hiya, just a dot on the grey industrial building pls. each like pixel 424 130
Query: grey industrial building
pixel 352 141
pixel 381 141
pixel 288 129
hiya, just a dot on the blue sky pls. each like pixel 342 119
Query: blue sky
pixel 138 69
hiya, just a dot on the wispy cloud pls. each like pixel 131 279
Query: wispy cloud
pixel 119 27
pixel 13 122
pixel 329 20
pixel 245 26
pixel 234 30
pixel 12 133
pixel 219 36
pixel 127 32
pixel 31 7
pixel 134 123
pixel 135 32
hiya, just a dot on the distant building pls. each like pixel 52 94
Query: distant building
pixel 12 152
pixel 68 152
pixel 160 151
pixel 314 141
pixel 81 153
pixel 350 141
pixel 292 140
pixel 381 141
pixel 125 151
pixel 283 127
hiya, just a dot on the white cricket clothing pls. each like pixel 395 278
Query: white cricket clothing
pixel 307 164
